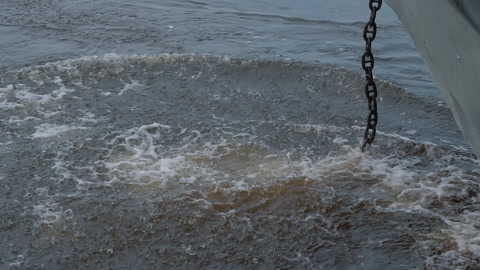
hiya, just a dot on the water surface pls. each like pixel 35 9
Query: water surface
pixel 220 134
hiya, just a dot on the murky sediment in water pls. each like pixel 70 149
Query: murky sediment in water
pixel 198 161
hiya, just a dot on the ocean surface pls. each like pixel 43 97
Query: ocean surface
pixel 221 134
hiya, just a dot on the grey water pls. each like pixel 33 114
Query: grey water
pixel 224 135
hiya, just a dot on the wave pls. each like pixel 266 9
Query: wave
pixel 308 93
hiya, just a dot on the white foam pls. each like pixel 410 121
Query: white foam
pixel 340 140
pixel 50 130
pixel 413 190
pixel 6 143
pixel 89 117
pixel 63 172
pixel 138 162
pixel 27 96
pixel 142 160
pixel 317 128
pixel 48 114
pixel 42 191
pixel 50 212
pixel 18 120
pixel 417 192
pixel 393 172
pixel 466 236
pixel 5 90
pixel 134 85
pixel 3 103
pixel 147 171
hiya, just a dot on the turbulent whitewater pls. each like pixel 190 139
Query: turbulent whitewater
pixel 201 161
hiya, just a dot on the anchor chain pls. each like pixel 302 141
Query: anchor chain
pixel 368 62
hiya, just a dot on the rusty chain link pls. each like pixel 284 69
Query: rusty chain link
pixel 368 62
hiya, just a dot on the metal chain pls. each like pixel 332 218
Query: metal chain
pixel 369 34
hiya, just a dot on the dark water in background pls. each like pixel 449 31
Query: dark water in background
pixel 324 31
pixel 239 151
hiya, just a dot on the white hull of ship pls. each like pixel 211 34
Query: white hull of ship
pixel 449 42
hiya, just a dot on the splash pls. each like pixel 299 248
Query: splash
pixel 252 163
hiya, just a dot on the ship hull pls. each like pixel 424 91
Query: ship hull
pixel 447 35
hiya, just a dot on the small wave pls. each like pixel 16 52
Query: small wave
pixel 124 68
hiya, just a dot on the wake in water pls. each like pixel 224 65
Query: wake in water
pixel 201 161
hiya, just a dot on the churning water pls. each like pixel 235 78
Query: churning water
pixel 215 135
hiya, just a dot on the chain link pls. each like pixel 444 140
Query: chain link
pixel 368 62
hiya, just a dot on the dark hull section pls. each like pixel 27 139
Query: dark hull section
pixel 471 10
